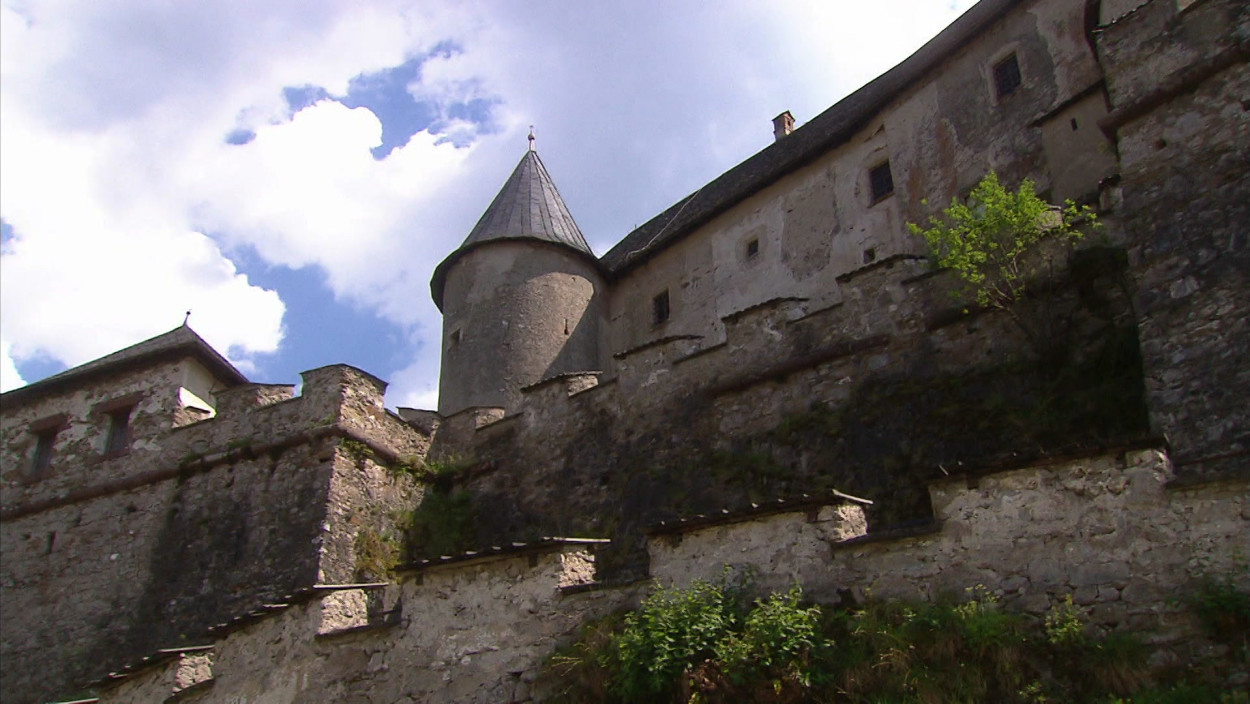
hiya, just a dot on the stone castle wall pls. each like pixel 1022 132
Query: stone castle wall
pixel 109 559
pixel 1178 79
pixel 880 355
pixel 867 377
pixel 1113 531
pixel 940 134
pixel 815 399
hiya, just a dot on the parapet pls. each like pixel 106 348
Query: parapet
pixel 247 397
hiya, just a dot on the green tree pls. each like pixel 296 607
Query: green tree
pixel 993 244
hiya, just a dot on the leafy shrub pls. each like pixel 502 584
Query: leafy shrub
pixel 991 244
pixel 442 524
pixel 1223 610
pixel 672 629
pixel 709 644
pixel 1065 627
pixel 375 555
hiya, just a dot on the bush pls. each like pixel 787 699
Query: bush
pixel 708 644
pixel 991 243
pixel 673 629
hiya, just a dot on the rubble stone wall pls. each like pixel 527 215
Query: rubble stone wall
pixel 106 560
pixel 1109 530
pixel 1186 203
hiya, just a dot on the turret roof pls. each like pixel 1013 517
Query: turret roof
pixel 528 207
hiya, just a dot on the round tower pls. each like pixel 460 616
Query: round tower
pixel 521 297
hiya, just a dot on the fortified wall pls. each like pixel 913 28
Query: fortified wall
pixel 772 338
pixel 112 553
pixel 860 371
pixel 1113 531
pixel 873 396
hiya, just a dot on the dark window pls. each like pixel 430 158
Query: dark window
pixel 118 439
pixel 882 181
pixel 453 340
pixel 870 255
pixel 753 248
pixel 1006 76
pixel 42 458
pixel 659 307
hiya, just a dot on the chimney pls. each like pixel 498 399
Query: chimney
pixel 783 125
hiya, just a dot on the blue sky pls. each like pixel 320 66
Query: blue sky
pixel 292 171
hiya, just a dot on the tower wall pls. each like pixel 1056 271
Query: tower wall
pixel 515 313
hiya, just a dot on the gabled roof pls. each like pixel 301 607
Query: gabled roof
pixel 179 342
pixel 824 132
pixel 528 207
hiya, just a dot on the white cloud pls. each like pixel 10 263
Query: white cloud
pixel 114 164
pixel 9 377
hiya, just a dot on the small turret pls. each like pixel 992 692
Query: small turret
pixel 521 297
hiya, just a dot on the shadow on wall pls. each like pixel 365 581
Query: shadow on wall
pixel 936 406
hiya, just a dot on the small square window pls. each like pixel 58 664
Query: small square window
pixel 118 439
pixel 1006 77
pixel 753 248
pixel 882 181
pixel 41 459
pixel 660 308
pixel 870 255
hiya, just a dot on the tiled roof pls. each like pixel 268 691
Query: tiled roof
pixel 182 340
pixel 528 207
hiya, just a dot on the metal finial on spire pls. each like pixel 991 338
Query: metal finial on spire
pixel 531 138
pixel 185 318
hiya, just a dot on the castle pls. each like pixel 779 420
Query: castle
pixel 767 374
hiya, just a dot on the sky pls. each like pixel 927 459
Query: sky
pixel 291 171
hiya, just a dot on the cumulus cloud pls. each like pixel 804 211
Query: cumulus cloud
pixel 9 376
pixel 128 205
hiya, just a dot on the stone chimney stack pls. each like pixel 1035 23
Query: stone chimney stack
pixel 783 125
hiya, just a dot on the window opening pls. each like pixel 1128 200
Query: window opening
pixel 753 248
pixel 882 181
pixel 453 340
pixel 870 255
pixel 1073 123
pixel 42 457
pixel 1006 76
pixel 660 308
pixel 118 439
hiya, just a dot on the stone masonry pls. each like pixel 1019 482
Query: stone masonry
pixel 701 396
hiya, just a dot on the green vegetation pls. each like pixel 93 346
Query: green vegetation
pixel 410 466
pixel 376 554
pixel 986 240
pixel 356 450
pixel 1224 609
pixel 443 524
pixel 991 243
pixel 711 643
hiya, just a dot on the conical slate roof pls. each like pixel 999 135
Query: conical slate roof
pixel 528 207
